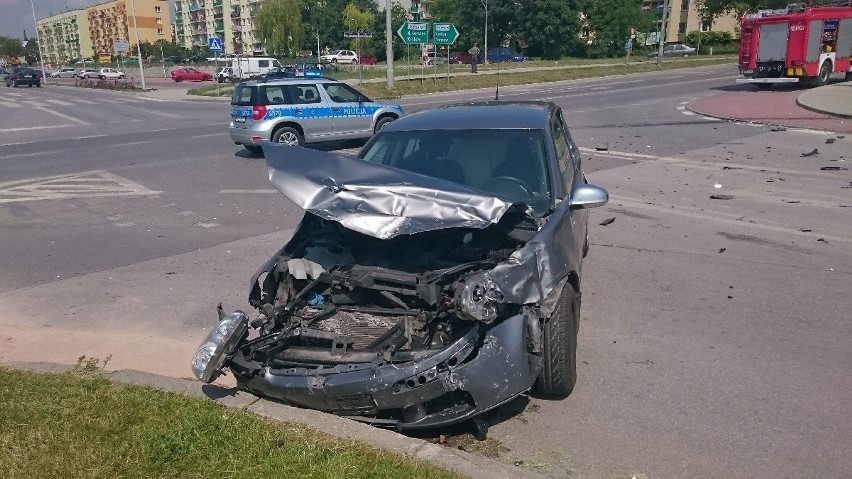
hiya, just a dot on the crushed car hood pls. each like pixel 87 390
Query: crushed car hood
pixel 376 200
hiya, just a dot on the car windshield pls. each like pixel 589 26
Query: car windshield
pixel 509 163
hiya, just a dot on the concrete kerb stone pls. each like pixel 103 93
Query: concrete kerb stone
pixel 834 100
pixel 458 461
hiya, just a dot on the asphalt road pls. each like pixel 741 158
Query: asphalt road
pixel 715 332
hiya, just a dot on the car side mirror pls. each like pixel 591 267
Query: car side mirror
pixel 588 196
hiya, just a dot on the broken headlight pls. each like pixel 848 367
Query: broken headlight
pixel 220 342
pixel 479 299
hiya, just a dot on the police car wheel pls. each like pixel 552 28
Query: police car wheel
pixel 288 136
pixel 382 123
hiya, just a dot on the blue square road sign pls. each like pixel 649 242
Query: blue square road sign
pixel 214 44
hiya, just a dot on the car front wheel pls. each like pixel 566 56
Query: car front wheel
pixel 289 136
pixel 121 77
pixel 559 371
pixel 383 121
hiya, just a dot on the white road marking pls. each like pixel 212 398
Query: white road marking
pixel 35 104
pixel 134 143
pixel 9 104
pixel 64 116
pixel 207 135
pixel 24 155
pixel 263 191
pixel 11 130
pixel 59 102
pixel 85 101
pixel 89 184
pixel 88 137
pixel 621 155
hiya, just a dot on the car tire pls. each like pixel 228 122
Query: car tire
pixel 334 60
pixel 287 135
pixel 38 85
pixel 14 84
pixel 121 77
pixel 559 352
pixel 383 121
pixel 102 77
pixel 178 79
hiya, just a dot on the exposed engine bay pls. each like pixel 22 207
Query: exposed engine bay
pixel 335 295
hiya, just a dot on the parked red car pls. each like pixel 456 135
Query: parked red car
pixel 190 74
pixel 367 60
pixel 460 57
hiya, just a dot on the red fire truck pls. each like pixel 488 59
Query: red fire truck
pixel 797 44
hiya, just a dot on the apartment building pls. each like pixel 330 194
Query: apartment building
pixel 64 37
pixel 114 20
pixel 230 20
pixel 683 17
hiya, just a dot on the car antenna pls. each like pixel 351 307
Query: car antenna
pixel 497 93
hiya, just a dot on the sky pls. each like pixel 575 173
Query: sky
pixel 17 15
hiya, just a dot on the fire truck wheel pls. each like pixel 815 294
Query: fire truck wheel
pixel 824 72
pixel 849 76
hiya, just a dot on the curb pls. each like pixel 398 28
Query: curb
pixel 461 462
pixel 819 91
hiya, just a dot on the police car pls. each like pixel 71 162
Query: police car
pixel 295 111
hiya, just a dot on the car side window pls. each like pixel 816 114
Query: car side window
pixel 275 95
pixel 263 63
pixel 341 93
pixel 304 94
pixel 557 131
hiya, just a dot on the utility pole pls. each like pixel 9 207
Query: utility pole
pixel 389 44
pixel 485 46
pixel 138 48
pixel 661 40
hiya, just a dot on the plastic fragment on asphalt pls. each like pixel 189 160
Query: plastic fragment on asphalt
pixel 607 222
pixel 721 197
pixel 717 186
pixel 833 168
pixel 813 152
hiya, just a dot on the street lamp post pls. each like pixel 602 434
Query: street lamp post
pixel 138 48
pixel 661 40
pixel 38 43
pixel 485 46
pixel 389 45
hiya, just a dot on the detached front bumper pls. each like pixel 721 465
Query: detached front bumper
pixel 479 372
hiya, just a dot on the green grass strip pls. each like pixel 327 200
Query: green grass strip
pixel 81 425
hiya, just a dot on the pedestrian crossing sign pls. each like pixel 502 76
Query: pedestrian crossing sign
pixel 214 44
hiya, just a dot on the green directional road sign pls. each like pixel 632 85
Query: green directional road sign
pixel 414 32
pixel 444 33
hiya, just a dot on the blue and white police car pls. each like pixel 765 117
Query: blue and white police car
pixel 295 111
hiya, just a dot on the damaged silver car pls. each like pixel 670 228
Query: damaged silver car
pixel 433 278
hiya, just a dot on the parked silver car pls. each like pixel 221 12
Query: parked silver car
pixel 675 50
pixel 295 111
pixel 64 72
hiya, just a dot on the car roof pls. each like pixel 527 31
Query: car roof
pixel 482 115
pixel 276 81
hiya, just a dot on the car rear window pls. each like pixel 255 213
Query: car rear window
pixel 244 95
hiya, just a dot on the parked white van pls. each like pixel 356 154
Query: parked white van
pixel 245 67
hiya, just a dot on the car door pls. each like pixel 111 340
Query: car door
pixel 353 117
pixel 310 110
pixel 568 159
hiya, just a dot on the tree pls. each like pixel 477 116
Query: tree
pixel 610 23
pixel 357 20
pixel 279 26
pixel 710 9
pixel 10 49
pixel 550 28
pixel 398 16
